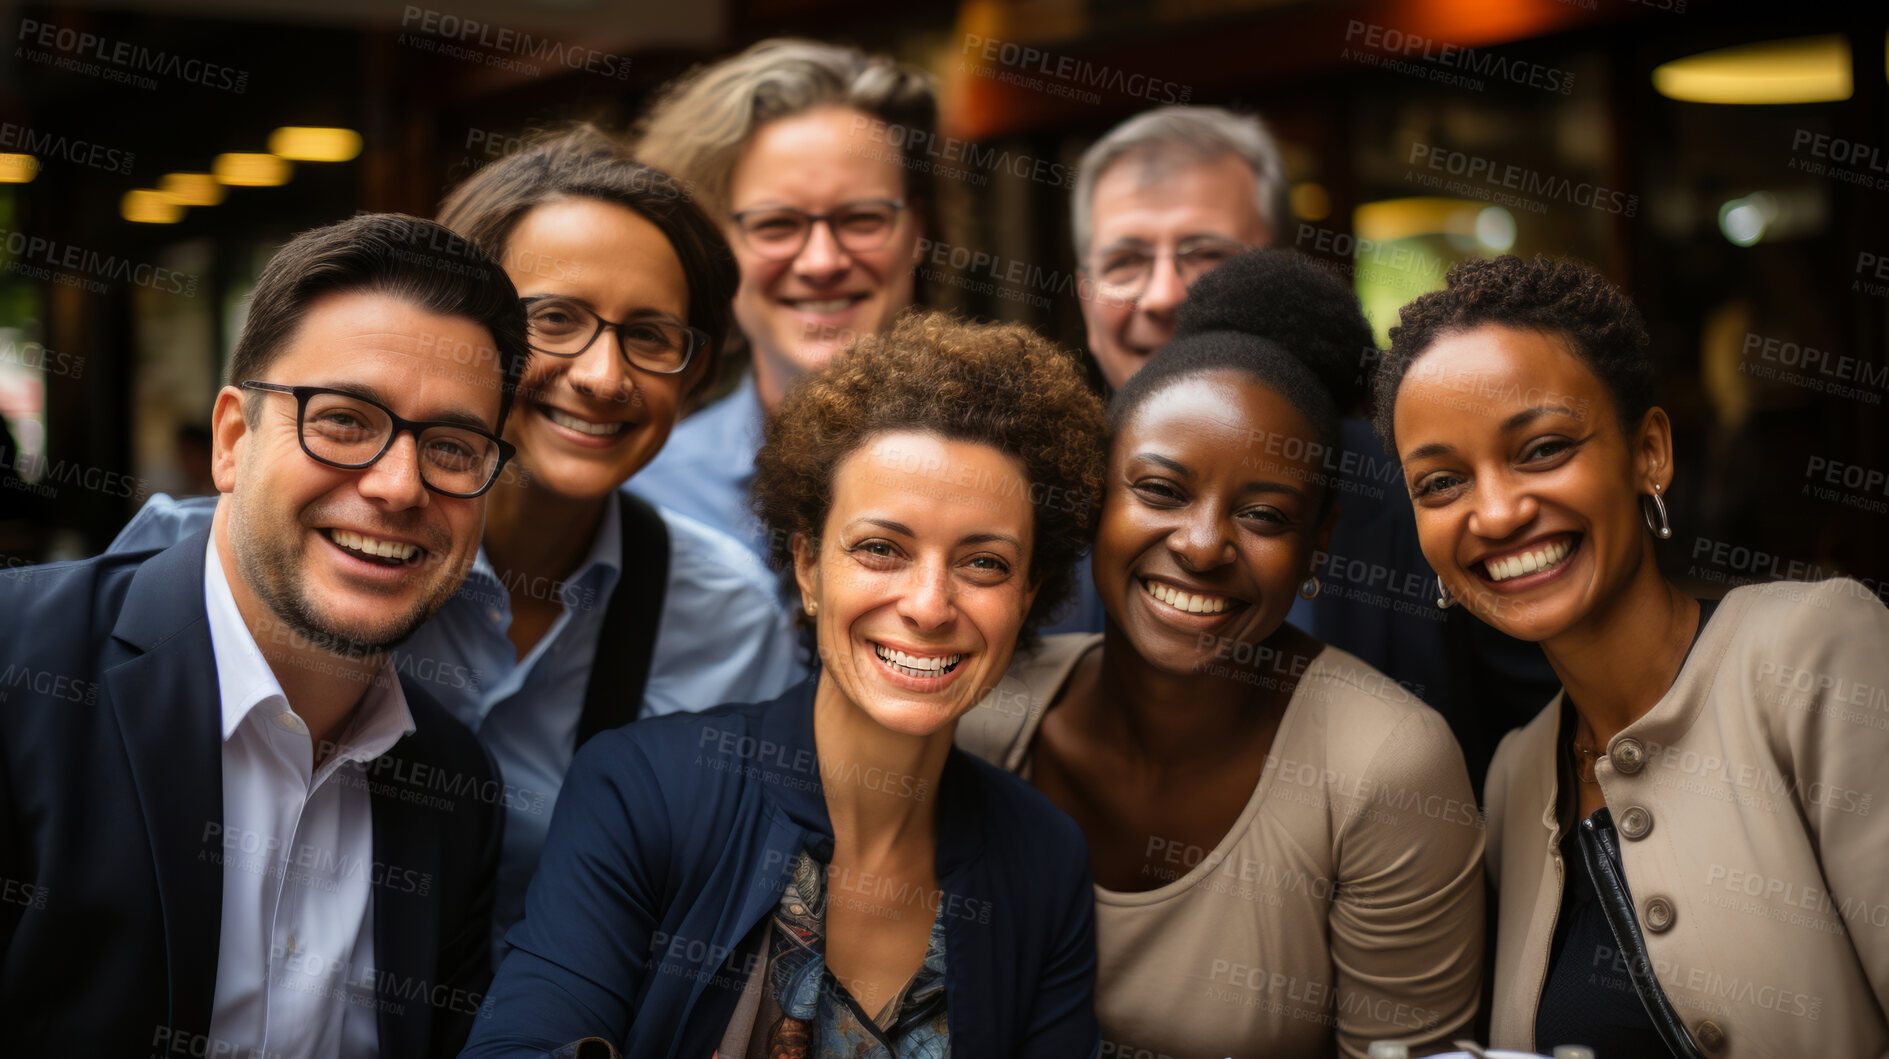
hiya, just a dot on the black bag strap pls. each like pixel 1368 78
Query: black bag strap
pixel 621 669
pixel 1602 854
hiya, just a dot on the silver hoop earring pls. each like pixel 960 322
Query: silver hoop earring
pixel 1308 589
pixel 1444 600
pixel 1664 528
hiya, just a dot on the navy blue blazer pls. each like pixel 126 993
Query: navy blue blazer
pixel 675 836
pixel 111 893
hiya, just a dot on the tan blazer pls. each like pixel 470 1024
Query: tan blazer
pixel 1752 805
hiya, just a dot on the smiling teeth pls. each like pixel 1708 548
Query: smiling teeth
pixel 1528 562
pixel 831 305
pixel 595 430
pixel 917 665
pixel 1190 602
pixel 374 545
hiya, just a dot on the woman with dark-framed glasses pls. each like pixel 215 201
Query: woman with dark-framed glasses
pixel 553 636
pixel 801 150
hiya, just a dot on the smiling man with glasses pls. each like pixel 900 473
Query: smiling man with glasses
pixel 585 607
pixel 293 845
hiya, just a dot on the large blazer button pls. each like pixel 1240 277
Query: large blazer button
pixel 1711 1036
pixel 1658 915
pixel 1635 822
pixel 1629 756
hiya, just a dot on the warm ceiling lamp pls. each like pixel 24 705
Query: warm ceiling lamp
pixel 18 168
pixel 1392 219
pixel 1310 201
pixel 191 189
pixel 312 143
pixel 1801 70
pixel 252 170
pixel 149 206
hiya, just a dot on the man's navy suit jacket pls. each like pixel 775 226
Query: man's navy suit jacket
pixel 111 805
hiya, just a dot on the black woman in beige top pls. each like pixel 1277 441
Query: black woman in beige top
pixel 1286 850
pixel 1689 847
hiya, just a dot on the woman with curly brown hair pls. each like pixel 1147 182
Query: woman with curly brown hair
pixel 1681 843
pixel 1287 855
pixel 824 873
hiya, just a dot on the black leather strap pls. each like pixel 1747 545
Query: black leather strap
pixel 630 619
pixel 1602 854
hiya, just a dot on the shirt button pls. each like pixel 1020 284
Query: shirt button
pixel 1658 915
pixel 1629 757
pixel 1711 1036
pixel 1635 822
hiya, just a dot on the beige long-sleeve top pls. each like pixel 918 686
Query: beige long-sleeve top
pixel 1344 906
pixel 1752 806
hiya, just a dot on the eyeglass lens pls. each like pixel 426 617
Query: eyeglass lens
pixel 566 328
pixel 783 231
pixel 348 431
pixel 1127 269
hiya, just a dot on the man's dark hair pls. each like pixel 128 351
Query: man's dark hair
pixel 416 261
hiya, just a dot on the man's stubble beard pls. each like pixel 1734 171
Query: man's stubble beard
pixel 274 574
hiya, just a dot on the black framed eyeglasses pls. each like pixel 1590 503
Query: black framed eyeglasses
pixel 346 430
pixel 780 232
pixel 1123 271
pixel 558 326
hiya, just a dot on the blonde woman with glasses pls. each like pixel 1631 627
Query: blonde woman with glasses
pixel 791 146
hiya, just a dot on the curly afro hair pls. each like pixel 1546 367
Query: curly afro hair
pixel 1279 318
pixel 1000 385
pixel 1565 298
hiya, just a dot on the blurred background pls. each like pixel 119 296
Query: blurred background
pixel 1727 163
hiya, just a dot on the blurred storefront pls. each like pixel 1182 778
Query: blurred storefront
pixel 1728 163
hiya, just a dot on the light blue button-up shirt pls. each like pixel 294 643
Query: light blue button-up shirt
pixel 706 468
pixel 722 638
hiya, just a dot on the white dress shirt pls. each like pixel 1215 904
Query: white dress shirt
pixel 294 969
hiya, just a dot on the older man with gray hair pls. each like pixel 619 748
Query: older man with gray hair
pixel 1162 198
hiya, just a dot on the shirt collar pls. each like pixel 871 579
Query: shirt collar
pixel 740 419
pixel 243 677
pixel 604 560
pixel 245 681
pixel 747 426
pixel 747 398
pixel 380 720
